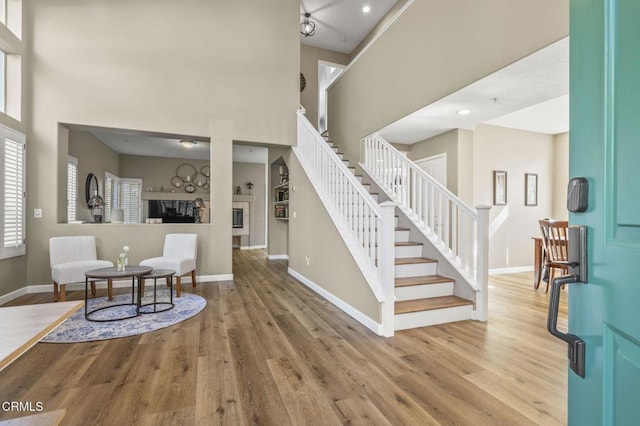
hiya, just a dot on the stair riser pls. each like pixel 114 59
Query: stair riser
pixel 408 251
pixel 416 269
pixel 433 317
pixel 423 291
pixel 402 236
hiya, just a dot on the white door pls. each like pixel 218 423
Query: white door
pixel 436 167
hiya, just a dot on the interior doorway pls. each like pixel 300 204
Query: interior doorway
pixel 436 167
pixel 327 73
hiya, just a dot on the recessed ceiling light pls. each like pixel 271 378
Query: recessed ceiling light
pixel 463 112
pixel 366 9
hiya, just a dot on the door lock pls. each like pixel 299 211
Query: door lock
pixel 577 263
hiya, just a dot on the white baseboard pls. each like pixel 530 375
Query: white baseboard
pixel 252 247
pixel 206 278
pixel 514 270
pixel 345 307
pixel 6 298
pixel 278 256
pixel 48 288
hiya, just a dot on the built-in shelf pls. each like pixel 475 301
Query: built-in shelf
pixel 281 201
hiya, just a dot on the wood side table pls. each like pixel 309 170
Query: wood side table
pixel 154 275
pixel 113 273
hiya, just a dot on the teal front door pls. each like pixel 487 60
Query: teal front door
pixel 605 148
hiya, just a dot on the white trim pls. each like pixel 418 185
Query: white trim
pixel 278 256
pixel 48 288
pixel 373 40
pixel 6 298
pixel 342 305
pixel 253 247
pixel 217 277
pixel 440 156
pixel 516 269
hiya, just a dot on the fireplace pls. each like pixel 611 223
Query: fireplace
pixel 240 217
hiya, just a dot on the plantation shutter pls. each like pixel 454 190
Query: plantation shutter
pixel 111 194
pixel 13 197
pixel 72 188
pixel 131 199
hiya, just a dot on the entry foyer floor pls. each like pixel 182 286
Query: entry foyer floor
pixel 267 350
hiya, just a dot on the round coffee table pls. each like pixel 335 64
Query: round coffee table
pixel 113 273
pixel 154 275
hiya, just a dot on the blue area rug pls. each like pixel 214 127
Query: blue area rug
pixel 77 329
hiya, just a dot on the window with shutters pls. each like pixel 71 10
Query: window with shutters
pixel 13 196
pixel 125 194
pixel 72 188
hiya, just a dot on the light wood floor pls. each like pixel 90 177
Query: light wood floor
pixel 268 351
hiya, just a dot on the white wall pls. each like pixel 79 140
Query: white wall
pixel 560 176
pixel 517 152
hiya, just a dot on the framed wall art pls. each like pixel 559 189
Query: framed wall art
pixel 530 189
pixel 499 188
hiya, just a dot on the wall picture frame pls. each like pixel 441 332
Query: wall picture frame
pixel 530 189
pixel 499 187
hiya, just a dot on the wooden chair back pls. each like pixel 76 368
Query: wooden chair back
pixel 555 239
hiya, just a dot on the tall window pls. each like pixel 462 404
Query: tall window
pixel 13 195
pixel 72 188
pixel 125 194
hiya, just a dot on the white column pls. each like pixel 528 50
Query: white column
pixel 387 265
pixel 482 265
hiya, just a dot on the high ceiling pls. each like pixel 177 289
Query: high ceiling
pixel 530 94
pixel 341 24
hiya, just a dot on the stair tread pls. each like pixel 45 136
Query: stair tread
pixel 401 229
pixel 422 280
pixel 408 243
pixel 413 260
pixel 429 304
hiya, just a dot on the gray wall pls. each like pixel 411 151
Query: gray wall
pixel 331 266
pixel 156 172
pixel 517 152
pixel 432 50
pixel 169 67
pixel 93 157
pixel 309 57
pixel 254 173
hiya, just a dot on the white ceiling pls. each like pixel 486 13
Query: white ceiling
pixel 530 94
pixel 341 24
pixel 131 142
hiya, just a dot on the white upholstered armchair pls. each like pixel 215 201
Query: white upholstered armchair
pixel 70 258
pixel 179 254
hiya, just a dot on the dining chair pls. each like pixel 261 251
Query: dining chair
pixel 555 245
pixel 70 258
pixel 179 254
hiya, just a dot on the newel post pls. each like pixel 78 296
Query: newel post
pixel 482 271
pixel 387 266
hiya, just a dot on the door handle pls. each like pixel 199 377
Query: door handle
pixel 576 345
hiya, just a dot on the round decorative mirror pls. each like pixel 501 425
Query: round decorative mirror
pixel 90 187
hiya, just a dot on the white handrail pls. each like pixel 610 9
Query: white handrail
pixel 450 224
pixel 354 211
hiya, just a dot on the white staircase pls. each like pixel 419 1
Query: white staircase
pixel 422 297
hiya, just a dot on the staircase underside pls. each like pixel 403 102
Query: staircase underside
pixel 422 296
